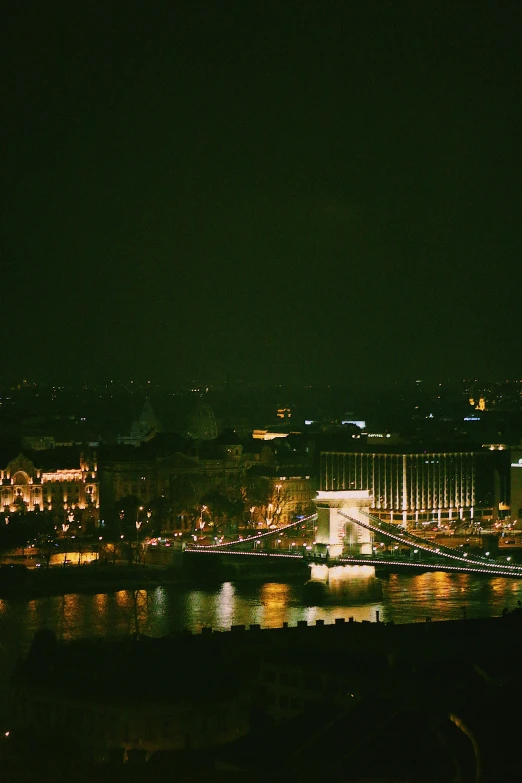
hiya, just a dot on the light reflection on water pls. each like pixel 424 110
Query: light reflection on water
pixel 270 603
pixel 224 601
pixel 351 593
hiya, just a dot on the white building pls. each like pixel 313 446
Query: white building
pixel 406 488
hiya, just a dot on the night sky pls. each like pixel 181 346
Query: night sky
pixel 282 191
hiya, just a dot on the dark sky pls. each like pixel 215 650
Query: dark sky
pixel 279 190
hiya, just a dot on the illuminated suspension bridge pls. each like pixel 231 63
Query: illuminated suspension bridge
pixel 428 554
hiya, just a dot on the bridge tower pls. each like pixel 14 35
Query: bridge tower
pixel 334 531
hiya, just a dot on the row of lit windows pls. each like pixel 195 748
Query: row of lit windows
pixel 403 481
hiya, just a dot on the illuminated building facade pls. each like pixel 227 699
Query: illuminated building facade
pixel 26 487
pixel 285 499
pixel 175 481
pixel 406 488
pixel 481 404
pixel 267 435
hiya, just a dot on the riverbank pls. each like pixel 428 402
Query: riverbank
pixel 25 584
pixel 19 583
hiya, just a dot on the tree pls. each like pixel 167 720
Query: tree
pixel 17 528
pixel 122 518
pixel 160 515
pixel 185 491
pixel 269 502
pixel 221 510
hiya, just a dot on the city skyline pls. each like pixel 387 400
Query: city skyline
pixel 328 193
pixel 261 390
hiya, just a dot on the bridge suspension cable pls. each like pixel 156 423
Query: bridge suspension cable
pixel 441 549
pixel 416 539
pixel 257 536
pixel 391 531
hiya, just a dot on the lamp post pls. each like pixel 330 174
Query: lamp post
pixel 201 523
pixel 65 528
pixel 274 507
pixel 138 526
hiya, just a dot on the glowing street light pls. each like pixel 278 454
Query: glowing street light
pixel 201 523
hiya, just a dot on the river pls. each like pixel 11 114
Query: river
pixel 353 592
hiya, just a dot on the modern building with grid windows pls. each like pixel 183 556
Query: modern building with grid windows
pixel 407 488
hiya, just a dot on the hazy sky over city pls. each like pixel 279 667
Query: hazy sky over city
pixel 275 189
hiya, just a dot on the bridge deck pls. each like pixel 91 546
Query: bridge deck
pixel 424 565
